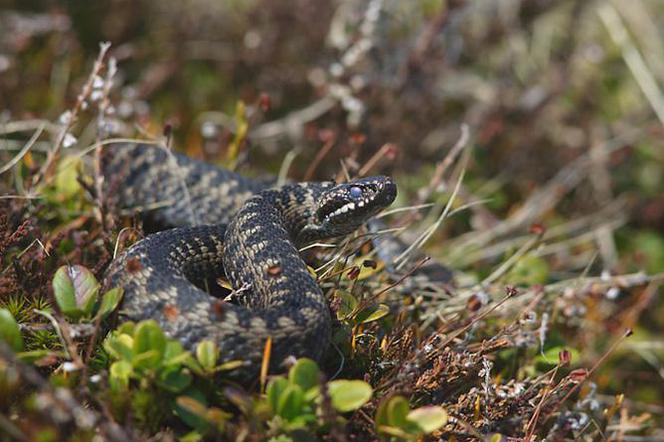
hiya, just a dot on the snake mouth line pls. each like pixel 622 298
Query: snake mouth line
pixel 336 208
pixel 357 199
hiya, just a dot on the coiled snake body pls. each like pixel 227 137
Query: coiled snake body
pixel 246 231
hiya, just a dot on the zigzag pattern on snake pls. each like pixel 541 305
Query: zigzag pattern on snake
pixel 246 231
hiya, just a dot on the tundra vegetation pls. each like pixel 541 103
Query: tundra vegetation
pixel 526 140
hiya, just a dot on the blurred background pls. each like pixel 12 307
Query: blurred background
pixel 555 106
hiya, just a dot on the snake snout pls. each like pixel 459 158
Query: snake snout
pixel 353 203
pixel 389 192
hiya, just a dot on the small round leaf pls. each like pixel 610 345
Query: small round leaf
pixel 206 354
pixel 149 344
pixel 75 289
pixel 429 418
pixel 274 391
pixel 109 301
pixel 290 402
pixel 10 331
pixel 304 373
pixel 397 411
pixel 348 395
pixel 119 375
pixel 373 313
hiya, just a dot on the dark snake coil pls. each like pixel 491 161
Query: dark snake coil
pixel 243 230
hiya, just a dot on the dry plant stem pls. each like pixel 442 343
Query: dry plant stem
pixel 438 173
pixel 47 169
pixel 579 284
pixel 445 164
pixel 426 40
pixel 511 261
pixel 428 232
pixel 528 308
pixel 473 321
pixel 290 156
pixel 72 349
pixel 637 15
pixel 530 427
pixel 294 121
pixel 23 151
pixel 602 283
pixel 104 104
pixel 631 316
pixel 542 200
pixel 614 211
pixel 375 158
pixel 291 124
pixel 322 152
pixel 378 294
pixel 645 79
pixel 90 350
pixel 589 373
pixel 391 380
pixel 600 179
pixel 26 125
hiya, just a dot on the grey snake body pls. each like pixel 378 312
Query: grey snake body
pixel 246 231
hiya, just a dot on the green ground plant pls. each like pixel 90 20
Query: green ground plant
pixel 525 138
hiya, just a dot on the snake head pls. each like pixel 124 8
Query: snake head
pixel 342 208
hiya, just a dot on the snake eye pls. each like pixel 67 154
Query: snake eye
pixel 356 192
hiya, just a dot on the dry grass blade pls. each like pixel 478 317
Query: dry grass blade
pixel 23 151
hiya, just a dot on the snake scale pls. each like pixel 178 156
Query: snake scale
pixel 236 227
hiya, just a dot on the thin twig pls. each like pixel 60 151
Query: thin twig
pixel 54 153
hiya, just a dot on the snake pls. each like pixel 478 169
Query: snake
pixel 225 225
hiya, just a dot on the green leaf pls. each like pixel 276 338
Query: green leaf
pixel 230 365
pixel 428 419
pixel 550 356
pixel 305 418
pixel 382 419
pixel 192 436
pixel 148 360
pixel 281 438
pixel 66 182
pixel 119 346
pixel 206 354
pixel 120 373
pixel 127 328
pixel 192 409
pixel 290 402
pixel 347 305
pixel 397 411
pixel 274 391
pixel 10 331
pixel 110 301
pixel 305 373
pixel 373 313
pixel 348 395
pixel 35 355
pixel 149 344
pixel 174 354
pixel 174 379
pixel 75 289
